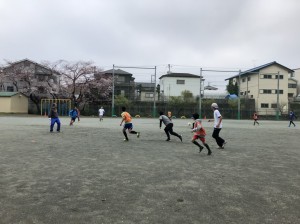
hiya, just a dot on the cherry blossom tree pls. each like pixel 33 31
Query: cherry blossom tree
pixel 81 85
pixel 32 79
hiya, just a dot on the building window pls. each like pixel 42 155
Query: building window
pixel 243 80
pixel 264 105
pixel 290 95
pixel 122 92
pixel 41 78
pixel 292 85
pixel 241 93
pixel 280 76
pixel 9 88
pixel 251 96
pixel 248 78
pixel 266 91
pixel 180 81
pixel 267 76
pixel 149 95
pixel 280 91
pixel 121 79
pixel 274 105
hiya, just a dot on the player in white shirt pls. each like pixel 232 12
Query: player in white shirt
pixel 101 113
pixel 217 126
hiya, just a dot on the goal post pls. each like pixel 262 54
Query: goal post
pixel 63 106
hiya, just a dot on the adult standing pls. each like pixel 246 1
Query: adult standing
pixel 53 116
pixel 217 126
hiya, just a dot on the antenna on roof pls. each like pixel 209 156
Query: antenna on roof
pixel 169 69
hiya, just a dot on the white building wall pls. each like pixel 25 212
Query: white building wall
pixel 297 77
pixel 255 86
pixel 170 87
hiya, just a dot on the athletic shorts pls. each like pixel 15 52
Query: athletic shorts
pixel 73 118
pixel 202 139
pixel 128 126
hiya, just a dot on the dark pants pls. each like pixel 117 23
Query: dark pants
pixel 291 122
pixel 53 121
pixel 169 129
pixel 220 141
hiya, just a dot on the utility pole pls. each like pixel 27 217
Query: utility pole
pixel 239 97
pixel 154 94
pixel 200 97
pixel 277 111
pixel 113 92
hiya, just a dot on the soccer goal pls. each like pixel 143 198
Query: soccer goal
pixel 63 106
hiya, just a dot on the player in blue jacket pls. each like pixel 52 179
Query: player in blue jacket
pixel 73 114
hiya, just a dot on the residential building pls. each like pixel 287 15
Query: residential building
pixel 271 85
pixel 145 91
pixel 123 82
pixel 27 76
pixel 173 84
pixel 297 77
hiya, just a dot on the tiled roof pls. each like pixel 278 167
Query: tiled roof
pixel 256 69
pixel 32 62
pixel 116 71
pixel 180 75
pixel 8 94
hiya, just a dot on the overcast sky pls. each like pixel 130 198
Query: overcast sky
pixel 187 34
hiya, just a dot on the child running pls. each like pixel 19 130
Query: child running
pixel 126 118
pixel 169 126
pixel 199 132
pixel 292 117
pixel 53 115
pixel 73 114
pixel 101 113
pixel 217 126
pixel 255 118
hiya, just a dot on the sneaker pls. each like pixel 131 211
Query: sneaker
pixel 138 134
pixel 126 140
pixel 209 152
pixel 201 148
pixel 168 140
pixel 223 146
pixel 180 137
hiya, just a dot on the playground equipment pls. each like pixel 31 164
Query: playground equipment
pixel 63 106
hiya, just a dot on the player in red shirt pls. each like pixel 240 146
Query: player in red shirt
pixel 199 133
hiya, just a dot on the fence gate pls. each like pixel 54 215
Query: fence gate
pixel 63 106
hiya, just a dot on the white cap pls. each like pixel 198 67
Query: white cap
pixel 214 105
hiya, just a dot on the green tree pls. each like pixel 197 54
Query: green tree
pixel 232 88
pixel 121 100
pixel 187 96
pixel 175 101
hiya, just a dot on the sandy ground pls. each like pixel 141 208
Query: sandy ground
pixel 87 174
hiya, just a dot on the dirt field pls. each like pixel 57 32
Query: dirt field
pixel 87 174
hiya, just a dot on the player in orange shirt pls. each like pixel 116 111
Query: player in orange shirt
pixel 199 132
pixel 126 118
